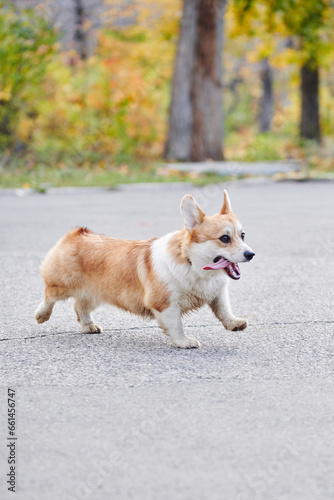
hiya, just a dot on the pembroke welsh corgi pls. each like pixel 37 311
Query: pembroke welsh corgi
pixel 160 278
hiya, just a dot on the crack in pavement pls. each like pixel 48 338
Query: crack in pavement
pixel 275 323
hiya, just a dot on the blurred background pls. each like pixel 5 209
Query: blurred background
pixel 97 92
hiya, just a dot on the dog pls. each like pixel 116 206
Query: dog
pixel 160 278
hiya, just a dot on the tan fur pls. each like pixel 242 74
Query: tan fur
pixel 212 227
pixel 104 270
pixel 160 278
pixel 209 229
pixel 235 326
pixel 226 208
pixel 179 245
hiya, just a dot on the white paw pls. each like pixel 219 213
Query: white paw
pixel 91 328
pixel 186 343
pixel 42 315
pixel 237 324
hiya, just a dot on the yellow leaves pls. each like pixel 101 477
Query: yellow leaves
pixel 5 94
pixel 264 48
pixel 105 43
pixel 92 61
pixel 95 100
pixel 144 15
pixel 285 57
pixel 113 103
pixel 25 129
pixel 116 101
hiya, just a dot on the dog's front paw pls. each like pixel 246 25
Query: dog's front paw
pixel 237 324
pixel 41 317
pixel 42 314
pixel 91 328
pixel 186 343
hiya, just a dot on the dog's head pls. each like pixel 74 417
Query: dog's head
pixel 217 241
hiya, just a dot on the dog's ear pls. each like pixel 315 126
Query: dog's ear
pixel 191 213
pixel 226 208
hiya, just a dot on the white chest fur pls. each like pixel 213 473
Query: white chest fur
pixel 190 286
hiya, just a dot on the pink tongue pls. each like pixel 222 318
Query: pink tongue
pixel 221 264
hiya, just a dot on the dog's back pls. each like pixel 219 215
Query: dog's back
pixel 103 270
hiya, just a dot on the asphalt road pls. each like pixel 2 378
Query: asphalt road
pixel 123 415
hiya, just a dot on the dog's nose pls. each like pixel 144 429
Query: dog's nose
pixel 249 255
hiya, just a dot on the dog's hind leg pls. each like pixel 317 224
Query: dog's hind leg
pixel 83 307
pixel 44 310
pixel 52 295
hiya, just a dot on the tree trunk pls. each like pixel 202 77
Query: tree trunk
pixel 178 144
pixel 267 100
pixel 196 114
pixel 207 92
pixel 309 123
pixel 79 31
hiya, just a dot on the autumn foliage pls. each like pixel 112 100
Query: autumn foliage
pixel 57 110
pixel 106 109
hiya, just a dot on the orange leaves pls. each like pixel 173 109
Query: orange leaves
pixel 114 103
pixel 110 62
pixel 95 100
pixel 42 49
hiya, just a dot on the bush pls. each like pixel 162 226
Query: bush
pixel 26 46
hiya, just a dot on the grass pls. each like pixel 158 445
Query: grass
pixel 46 179
pixel 42 177
pixel 317 160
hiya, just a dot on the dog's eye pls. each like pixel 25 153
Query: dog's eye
pixel 242 236
pixel 225 239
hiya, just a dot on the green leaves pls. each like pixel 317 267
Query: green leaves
pixel 309 20
pixel 26 42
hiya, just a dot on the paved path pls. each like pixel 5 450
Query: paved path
pixel 236 168
pixel 123 415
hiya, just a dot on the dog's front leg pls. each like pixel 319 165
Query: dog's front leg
pixel 171 323
pixel 222 309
